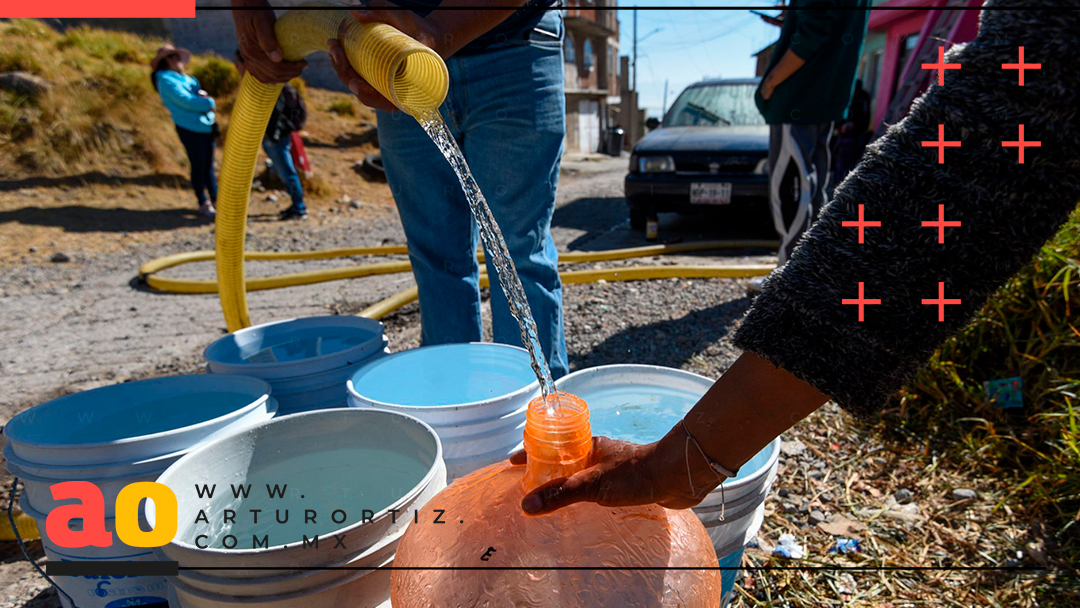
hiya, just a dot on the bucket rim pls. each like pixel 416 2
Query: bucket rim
pixel 24 475
pixel 532 386
pixel 439 464
pixel 376 326
pixel 177 583
pixel 773 447
pixel 12 458
pixel 263 385
pixel 194 574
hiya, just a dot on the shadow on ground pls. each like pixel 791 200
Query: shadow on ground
pixel 670 343
pixel 159 180
pixel 77 218
pixel 606 225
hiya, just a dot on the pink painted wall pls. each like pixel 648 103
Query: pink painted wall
pixel 898 24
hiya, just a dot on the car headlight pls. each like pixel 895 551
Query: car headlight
pixel 656 164
pixel 762 167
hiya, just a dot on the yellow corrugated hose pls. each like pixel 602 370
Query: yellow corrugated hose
pixel 404 71
pixel 415 79
pixel 147 271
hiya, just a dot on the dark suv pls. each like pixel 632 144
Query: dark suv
pixel 710 152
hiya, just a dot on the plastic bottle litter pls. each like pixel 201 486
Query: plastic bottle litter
pixel 845 546
pixel 789 547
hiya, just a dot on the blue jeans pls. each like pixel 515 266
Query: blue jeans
pixel 280 153
pixel 507 111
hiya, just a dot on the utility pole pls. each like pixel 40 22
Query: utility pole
pixel 663 112
pixel 634 62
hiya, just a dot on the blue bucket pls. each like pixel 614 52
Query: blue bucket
pixel 306 361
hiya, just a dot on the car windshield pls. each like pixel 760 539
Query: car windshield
pixel 715 105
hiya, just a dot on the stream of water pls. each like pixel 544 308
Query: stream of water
pixel 493 241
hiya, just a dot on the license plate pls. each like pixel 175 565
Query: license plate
pixel 710 194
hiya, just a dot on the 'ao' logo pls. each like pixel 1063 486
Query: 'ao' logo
pixel 92 514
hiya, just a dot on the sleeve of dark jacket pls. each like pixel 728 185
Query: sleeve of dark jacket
pixel 814 25
pixel 1007 211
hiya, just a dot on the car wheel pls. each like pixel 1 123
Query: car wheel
pixel 638 217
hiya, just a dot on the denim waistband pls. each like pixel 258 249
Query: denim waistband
pixel 549 30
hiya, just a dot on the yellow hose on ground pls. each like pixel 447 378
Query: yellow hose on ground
pixel 409 74
pixel 148 271
pixel 381 309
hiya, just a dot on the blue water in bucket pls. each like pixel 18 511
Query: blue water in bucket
pixel 450 374
pixel 643 413
pixel 134 409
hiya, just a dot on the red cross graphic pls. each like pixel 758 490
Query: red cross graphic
pixel 941 224
pixel 941 144
pixel 861 224
pixel 861 302
pixel 1021 144
pixel 940 302
pixel 1021 66
pixel 941 66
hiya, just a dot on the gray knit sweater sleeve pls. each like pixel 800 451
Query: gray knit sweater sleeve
pixel 1007 211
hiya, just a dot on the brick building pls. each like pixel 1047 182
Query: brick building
pixel 591 58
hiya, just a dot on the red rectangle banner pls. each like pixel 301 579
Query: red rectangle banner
pixel 97 8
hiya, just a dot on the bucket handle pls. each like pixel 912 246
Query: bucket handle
pixel 22 545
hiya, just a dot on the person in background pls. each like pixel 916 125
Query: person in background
pixel 506 108
pixel 806 88
pixel 802 345
pixel 852 135
pixel 286 120
pixel 192 110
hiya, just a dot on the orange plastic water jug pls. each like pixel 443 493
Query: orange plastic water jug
pixel 488 552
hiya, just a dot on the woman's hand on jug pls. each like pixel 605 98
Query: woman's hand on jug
pixel 623 474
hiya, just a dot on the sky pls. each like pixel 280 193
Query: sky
pixel 685 46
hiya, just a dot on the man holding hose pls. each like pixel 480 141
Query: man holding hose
pixel 506 108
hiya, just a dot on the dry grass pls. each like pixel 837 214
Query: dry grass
pixel 101 112
pixel 103 115
pixel 941 434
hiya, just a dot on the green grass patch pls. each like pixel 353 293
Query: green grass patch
pixel 1030 329
pixel 217 76
pixel 342 108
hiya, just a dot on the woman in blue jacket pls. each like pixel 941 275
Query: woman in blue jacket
pixel 192 110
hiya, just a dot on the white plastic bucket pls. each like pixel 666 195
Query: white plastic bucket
pixel 288 581
pixel 362 589
pixel 349 459
pixel 74 471
pixel 110 479
pixel 307 361
pixel 641 403
pixel 474 396
pixel 101 591
pixel 135 421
